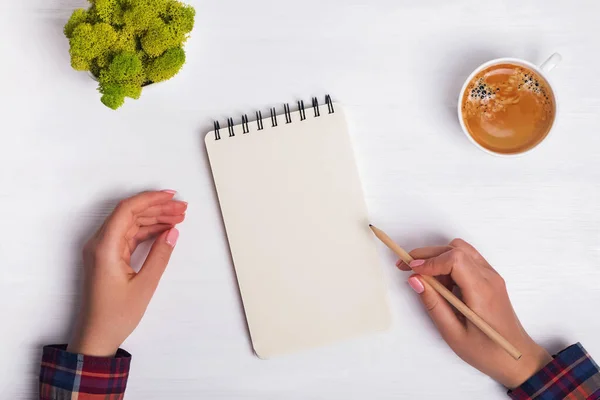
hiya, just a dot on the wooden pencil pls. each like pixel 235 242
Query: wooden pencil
pixel 450 297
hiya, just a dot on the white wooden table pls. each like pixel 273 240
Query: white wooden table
pixel 397 66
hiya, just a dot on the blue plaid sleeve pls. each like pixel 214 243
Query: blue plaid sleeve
pixel 572 375
pixel 67 376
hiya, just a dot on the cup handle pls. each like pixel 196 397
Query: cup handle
pixel 551 62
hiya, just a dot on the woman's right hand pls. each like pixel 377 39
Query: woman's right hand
pixel 462 269
pixel 115 297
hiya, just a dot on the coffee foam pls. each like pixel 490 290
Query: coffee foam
pixel 489 98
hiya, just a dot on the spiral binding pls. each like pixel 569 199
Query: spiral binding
pixel 230 127
pixel 274 123
pixel 259 121
pixel 245 127
pixel 315 102
pixel 288 114
pixel 273 117
pixel 301 110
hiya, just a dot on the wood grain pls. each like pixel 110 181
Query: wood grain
pixel 397 66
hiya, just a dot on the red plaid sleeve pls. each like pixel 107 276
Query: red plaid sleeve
pixel 572 375
pixel 65 375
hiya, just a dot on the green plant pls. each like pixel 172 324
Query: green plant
pixel 128 44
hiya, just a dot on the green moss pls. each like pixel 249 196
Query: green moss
pixel 124 77
pixel 132 90
pixel 106 9
pixel 79 16
pixel 113 95
pixel 141 13
pixel 126 41
pixel 170 31
pixel 80 63
pixel 103 61
pixel 124 68
pixel 129 43
pixel 181 17
pixel 89 42
pixel 166 65
pixel 159 38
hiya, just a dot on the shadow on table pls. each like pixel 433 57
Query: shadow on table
pixel 459 67
pixel 554 345
pixel 50 40
pixel 90 223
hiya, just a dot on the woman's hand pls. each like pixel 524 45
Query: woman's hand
pixel 115 297
pixel 461 268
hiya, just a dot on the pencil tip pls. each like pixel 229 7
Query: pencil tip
pixel 370 225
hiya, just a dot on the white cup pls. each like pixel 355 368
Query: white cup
pixel 542 70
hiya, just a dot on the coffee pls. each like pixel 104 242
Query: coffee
pixel 508 108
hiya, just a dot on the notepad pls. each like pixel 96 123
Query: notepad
pixel 297 226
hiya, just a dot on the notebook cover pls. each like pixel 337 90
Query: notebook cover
pixel 297 225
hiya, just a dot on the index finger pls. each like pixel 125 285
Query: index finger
pixel 422 253
pixel 454 262
pixel 119 222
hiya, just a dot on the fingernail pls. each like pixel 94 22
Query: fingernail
pixel 416 263
pixel 416 284
pixel 172 237
pixel 170 191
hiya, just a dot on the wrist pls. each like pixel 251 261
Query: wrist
pixel 93 351
pixel 91 346
pixel 531 363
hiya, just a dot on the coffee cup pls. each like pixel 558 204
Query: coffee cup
pixel 507 107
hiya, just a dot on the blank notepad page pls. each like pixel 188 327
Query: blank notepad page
pixel 297 226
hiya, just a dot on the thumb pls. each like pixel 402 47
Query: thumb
pixel 157 259
pixel 440 311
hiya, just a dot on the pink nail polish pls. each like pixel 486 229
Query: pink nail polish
pixel 170 191
pixel 416 284
pixel 416 263
pixel 172 237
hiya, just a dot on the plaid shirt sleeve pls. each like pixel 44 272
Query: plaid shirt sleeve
pixel 66 376
pixel 572 375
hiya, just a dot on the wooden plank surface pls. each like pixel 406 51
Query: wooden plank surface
pixel 397 66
